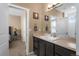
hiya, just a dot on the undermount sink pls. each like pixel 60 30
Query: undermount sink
pixel 48 37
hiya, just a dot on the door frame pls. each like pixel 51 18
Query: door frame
pixel 26 21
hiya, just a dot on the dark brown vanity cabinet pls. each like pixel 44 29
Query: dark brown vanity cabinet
pixel 35 45
pixel 49 49
pixel 44 48
pixel 41 48
pixel 38 46
pixel 61 51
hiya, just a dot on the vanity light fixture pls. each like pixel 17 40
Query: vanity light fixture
pixel 54 5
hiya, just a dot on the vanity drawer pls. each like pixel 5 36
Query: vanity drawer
pixel 63 51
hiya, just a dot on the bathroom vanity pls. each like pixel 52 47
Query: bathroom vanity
pixel 43 45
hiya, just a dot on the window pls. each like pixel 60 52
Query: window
pixel 53 24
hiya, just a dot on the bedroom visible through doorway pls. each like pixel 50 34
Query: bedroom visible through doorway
pixel 16 43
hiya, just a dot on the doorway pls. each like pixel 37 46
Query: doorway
pixel 21 41
pixel 16 40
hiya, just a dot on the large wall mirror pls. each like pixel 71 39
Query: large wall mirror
pixel 65 25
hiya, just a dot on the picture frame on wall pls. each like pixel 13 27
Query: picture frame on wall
pixel 35 15
pixel 46 17
pixel 35 28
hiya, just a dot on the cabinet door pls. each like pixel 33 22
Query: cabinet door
pixel 35 45
pixel 41 48
pixel 63 51
pixel 49 49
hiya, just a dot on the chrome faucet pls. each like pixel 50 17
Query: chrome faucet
pixel 53 34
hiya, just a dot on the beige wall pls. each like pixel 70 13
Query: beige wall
pixel 41 23
pixel 15 22
pixel 34 7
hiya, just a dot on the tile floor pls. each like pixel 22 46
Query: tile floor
pixel 17 48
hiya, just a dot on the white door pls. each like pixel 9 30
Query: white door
pixel 4 37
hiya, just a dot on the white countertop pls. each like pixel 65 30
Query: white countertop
pixel 65 41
